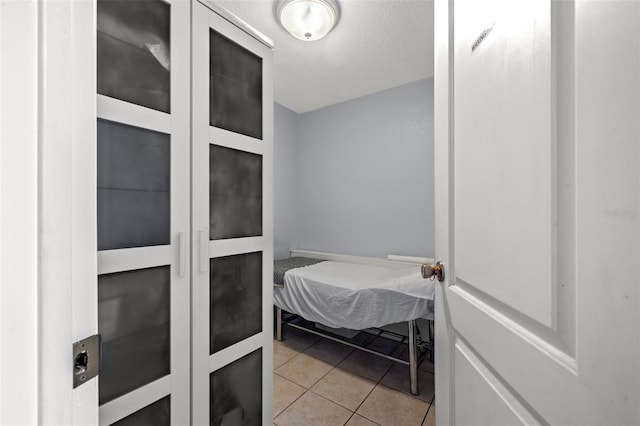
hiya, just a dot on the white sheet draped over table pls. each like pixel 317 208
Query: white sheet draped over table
pixel 356 296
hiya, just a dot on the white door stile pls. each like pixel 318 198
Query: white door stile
pixel 199 218
pixel 83 203
pixel 205 16
pixel 66 264
pixel 180 212
pixel 608 192
pixel 54 199
pixel 501 360
pixel 268 233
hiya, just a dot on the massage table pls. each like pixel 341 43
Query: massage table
pixel 355 296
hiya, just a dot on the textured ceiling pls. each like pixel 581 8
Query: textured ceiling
pixel 377 45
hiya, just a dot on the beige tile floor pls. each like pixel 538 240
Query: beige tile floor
pixel 320 382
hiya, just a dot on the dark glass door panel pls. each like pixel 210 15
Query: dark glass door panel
pixel 236 392
pixel 235 98
pixel 134 52
pixel 156 414
pixel 133 319
pixel 133 186
pixel 235 193
pixel 236 299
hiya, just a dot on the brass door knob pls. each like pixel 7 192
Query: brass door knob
pixel 430 271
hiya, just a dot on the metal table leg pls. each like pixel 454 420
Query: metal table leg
pixel 413 358
pixel 278 324
pixel 431 342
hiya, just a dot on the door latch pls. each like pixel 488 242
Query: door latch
pixel 86 360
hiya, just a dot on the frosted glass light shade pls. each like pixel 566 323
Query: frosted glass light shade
pixel 307 20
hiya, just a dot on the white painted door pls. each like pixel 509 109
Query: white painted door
pixel 232 220
pixel 143 213
pixel 537 109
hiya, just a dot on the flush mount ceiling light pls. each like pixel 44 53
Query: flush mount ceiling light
pixel 307 20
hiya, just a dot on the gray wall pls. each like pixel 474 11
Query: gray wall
pixel 284 180
pixel 361 173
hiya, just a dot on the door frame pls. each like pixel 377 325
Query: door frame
pixel 48 185
pixel 18 212
pixel 443 136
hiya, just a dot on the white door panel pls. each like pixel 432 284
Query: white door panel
pixel 476 385
pixel 504 170
pixel 537 201
pixel 143 109
pixel 232 219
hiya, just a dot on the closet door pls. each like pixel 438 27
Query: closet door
pixel 233 223
pixel 143 211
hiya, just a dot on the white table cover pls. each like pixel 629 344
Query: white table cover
pixel 356 296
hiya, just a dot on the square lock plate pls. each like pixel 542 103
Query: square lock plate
pixel 86 360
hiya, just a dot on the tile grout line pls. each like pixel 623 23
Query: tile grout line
pixel 285 408
pixel 305 389
pixel 370 392
pixel 314 383
pixel 333 402
pixel 425 415
pixel 275 368
pixel 300 396
pixel 424 419
pixel 353 413
pixel 333 367
pixel 350 417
